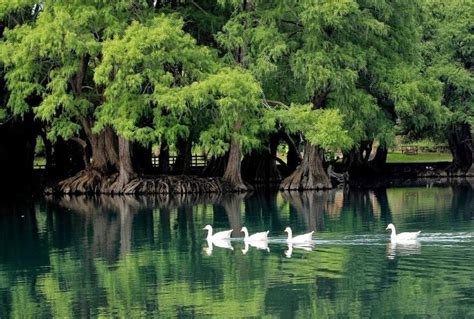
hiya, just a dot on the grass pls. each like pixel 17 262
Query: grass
pixel 419 158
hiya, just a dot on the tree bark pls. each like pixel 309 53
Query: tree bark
pixel 310 174
pixel 104 147
pixel 183 161
pixel 216 166
pixel 232 174
pixel 126 171
pixel 104 163
pixel 461 146
pixel 164 158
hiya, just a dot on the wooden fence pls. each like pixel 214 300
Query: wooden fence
pixel 196 161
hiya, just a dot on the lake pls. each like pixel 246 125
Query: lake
pixel 148 256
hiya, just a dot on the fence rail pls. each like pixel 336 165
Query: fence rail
pixel 196 161
pixel 39 166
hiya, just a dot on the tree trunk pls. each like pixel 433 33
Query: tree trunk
pixel 141 158
pixel 164 158
pixel 183 161
pixel 380 158
pixel 461 146
pixel 126 171
pixel 360 163
pixel 104 147
pixel 293 157
pixel 232 174
pixel 216 166
pixel 310 174
pixel 260 165
pixel 356 160
pixel 105 162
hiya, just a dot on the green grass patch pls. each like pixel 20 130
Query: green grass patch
pixel 419 158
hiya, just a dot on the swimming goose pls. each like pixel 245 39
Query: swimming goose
pixel 300 239
pixel 402 236
pixel 217 236
pixel 262 236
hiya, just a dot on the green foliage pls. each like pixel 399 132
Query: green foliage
pixel 200 70
pixel 143 73
pixel 232 100
pixel 320 127
pixel 449 55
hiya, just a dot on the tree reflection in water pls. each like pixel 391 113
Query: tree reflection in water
pixel 143 256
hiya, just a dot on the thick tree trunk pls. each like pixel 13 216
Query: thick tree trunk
pixel 126 171
pixel 104 145
pixel 104 163
pixel 232 174
pixel 310 174
pixel 462 148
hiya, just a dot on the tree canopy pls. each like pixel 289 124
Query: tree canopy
pixel 224 74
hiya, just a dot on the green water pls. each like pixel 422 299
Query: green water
pixel 137 257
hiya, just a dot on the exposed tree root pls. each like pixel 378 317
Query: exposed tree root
pixel 93 182
pixel 310 174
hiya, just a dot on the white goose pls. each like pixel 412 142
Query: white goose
pixel 217 236
pixel 262 236
pixel 402 236
pixel 300 239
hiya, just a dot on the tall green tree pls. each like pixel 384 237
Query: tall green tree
pixel 54 58
pixel 360 59
pixel 449 57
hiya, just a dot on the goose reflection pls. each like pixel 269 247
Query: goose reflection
pixel 263 245
pixel 406 248
pixel 289 251
pixel 222 243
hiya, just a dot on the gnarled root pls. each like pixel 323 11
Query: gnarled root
pixel 93 182
pixel 310 174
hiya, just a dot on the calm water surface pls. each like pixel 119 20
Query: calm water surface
pixel 147 256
